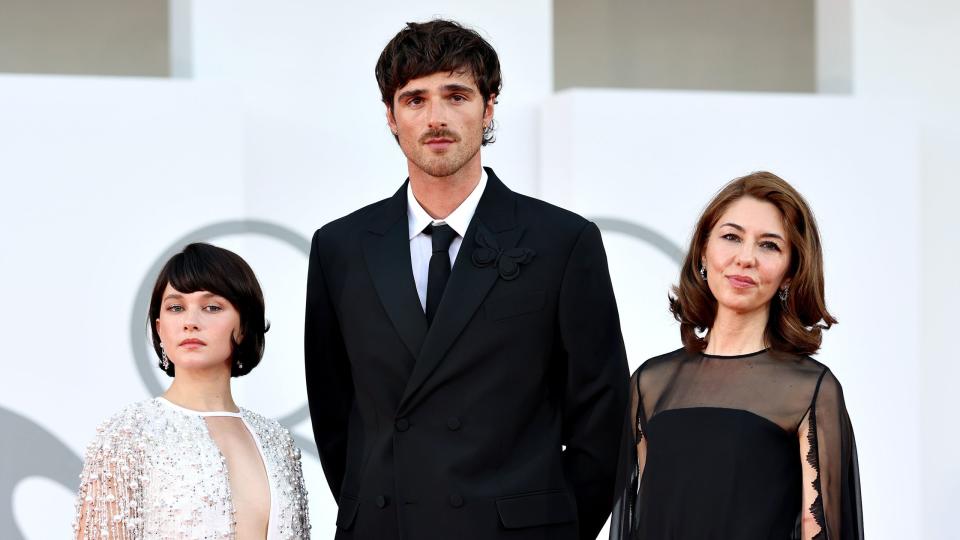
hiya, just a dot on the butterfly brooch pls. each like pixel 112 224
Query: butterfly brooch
pixel 506 261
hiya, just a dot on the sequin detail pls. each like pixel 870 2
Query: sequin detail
pixel 153 472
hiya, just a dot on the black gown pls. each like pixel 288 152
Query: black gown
pixel 722 447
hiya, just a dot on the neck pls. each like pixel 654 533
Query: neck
pixel 737 333
pixel 441 195
pixel 205 391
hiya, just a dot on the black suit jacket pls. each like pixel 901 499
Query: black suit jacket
pixel 501 420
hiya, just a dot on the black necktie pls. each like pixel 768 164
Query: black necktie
pixel 442 236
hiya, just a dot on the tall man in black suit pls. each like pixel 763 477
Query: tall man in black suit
pixel 465 367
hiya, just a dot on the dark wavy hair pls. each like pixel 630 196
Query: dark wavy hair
pixel 203 267
pixel 422 49
pixel 794 326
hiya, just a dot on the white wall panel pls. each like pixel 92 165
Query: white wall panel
pixel 99 177
pixel 905 50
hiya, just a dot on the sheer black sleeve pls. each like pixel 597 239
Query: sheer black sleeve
pixel 831 502
pixel 623 521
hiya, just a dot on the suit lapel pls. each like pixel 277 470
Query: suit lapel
pixel 386 249
pixel 468 284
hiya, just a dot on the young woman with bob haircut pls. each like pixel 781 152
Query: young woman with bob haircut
pixel 740 434
pixel 191 463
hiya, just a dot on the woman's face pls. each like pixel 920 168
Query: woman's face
pixel 747 256
pixel 196 329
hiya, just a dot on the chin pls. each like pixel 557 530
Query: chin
pixel 740 304
pixel 199 364
pixel 441 169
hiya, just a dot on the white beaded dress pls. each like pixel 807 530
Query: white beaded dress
pixel 154 472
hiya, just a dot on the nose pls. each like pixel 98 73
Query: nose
pixel 438 116
pixel 747 256
pixel 190 321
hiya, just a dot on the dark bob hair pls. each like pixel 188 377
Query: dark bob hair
pixel 422 49
pixel 202 267
pixel 794 326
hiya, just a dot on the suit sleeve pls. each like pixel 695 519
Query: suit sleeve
pixel 327 368
pixel 597 380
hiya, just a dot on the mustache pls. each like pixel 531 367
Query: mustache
pixel 439 134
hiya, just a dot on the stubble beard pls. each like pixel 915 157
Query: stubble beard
pixel 447 163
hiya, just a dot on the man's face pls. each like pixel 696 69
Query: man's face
pixel 439 120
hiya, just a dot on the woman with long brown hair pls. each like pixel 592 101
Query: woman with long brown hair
pixel 740 434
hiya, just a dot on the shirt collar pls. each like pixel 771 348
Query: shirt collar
pixel 458 220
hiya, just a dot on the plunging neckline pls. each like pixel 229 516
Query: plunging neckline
pixel 272 530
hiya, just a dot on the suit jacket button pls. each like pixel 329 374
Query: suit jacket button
pixel 456 501
pixel 402 424
pixel 453 423
pixel 381 501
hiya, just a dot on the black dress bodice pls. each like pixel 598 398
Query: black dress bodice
pixel 721 447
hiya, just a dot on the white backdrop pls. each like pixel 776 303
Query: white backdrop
pixel 281 123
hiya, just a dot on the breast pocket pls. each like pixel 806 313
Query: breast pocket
pixel 504 307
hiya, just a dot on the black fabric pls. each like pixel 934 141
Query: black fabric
pixel 441 236
pixel 501 419
pixel 717 448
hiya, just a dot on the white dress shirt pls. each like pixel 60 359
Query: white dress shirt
pixel 421 246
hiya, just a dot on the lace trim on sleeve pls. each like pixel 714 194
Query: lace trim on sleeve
pixel 813 458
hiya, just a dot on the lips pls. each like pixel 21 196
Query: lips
pixel 438 144
pixel 741 282
pixel 192 343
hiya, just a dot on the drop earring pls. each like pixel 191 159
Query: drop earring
pixel 784 292
pixel 703 272
pixel 164 359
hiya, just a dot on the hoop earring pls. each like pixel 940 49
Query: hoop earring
pixel 784 292
pixel 703 272
pixel 164 359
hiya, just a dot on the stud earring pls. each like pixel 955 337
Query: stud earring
pixel 164 359
pixel 703 272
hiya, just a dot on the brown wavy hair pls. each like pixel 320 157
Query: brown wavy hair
pixel 422 49
pixel 795 326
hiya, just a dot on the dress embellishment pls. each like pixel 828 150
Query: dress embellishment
pixel 154 472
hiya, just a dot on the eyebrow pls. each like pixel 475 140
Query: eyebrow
pixel 410 93
pixel 764 235
pixel 459 88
